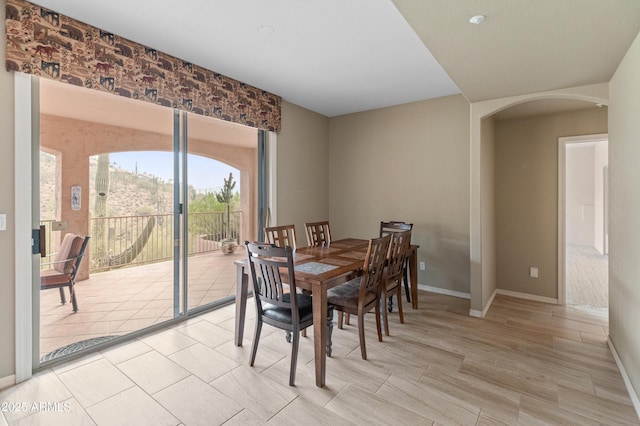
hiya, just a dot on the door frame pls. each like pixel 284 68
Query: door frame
pixel 25 283
pixel 563 143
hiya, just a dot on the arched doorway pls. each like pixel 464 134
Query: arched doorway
pixel 482 214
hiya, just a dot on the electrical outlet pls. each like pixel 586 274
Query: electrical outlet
pixel 533 272
pixel 3 222
pixel 422 266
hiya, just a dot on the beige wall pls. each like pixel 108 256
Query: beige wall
pixel 7 284
pixel 624 213
pixel 526 163
pixel 409 162
pixel 303 169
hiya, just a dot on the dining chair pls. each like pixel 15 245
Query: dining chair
pixel 394 271
pixel 281 236
pixel 64 268
pixel 390 228
pixel 277 303
pixel 362 294
pixel 318 233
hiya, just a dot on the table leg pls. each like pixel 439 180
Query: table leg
pixel 320 332
pixel 242 288
pixel 413 272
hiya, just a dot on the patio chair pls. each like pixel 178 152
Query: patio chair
pixel 65 267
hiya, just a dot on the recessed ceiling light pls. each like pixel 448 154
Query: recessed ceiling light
pixel 477 20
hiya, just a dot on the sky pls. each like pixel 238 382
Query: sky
pixel 205 174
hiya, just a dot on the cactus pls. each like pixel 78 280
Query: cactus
pixel 130 254
pixel 100 236
pixel 225 196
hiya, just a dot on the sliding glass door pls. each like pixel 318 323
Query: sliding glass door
pixel 167 198
pixel 108 171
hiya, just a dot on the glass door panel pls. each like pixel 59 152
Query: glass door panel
pixel 118 154
pixel 220 199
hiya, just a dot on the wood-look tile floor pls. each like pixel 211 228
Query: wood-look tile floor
pixel 527 363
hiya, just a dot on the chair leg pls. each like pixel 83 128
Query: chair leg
pixel 363 347
pixel 294 357
pixel 256 339
pixel 347 317
pixel 340 315
pixel 329 330
pixel 378 326
pixel 385 316
pixel 400 305
pixel 63 298
pixel 72 296
pixel 406 281
pixel 390 304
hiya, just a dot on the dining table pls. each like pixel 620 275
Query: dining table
pixel 317 269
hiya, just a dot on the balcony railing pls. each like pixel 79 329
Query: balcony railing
pixel 123 241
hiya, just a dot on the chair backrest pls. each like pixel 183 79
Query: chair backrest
pixel 281 236
pixel 66 258
pixel 265 263
pixel 394 226
pixel 318 233
pixel 400 242
pixel 373 270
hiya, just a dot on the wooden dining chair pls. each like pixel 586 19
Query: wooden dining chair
pixel 390 228
pixel 318 233
pixel 400 242
pixel 281 236
pixel 362 294
pixel 62 271
pixel 277 305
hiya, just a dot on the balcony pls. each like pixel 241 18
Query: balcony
pixel 121 297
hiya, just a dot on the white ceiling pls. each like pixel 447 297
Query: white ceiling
pixel 341 56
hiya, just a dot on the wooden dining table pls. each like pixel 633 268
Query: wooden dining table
pixel 317 269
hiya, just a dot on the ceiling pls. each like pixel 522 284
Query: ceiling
pixel 119 111
pixel 337 57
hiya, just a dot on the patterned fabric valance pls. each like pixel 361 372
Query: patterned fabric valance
pixel 45 43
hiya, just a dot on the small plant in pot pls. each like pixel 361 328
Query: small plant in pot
pixel 228 244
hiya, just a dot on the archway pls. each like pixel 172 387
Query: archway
pixel 482 215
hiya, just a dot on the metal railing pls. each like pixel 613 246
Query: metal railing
pixel 122 241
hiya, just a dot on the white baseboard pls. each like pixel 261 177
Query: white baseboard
pixel 8 381
pixel 483 313
pixel 627 382
pixel 444 291
pixel 528 296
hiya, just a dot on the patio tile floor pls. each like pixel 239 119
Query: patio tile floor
pixel 125 300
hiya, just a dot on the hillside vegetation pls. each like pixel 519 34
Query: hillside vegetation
pixel 129 194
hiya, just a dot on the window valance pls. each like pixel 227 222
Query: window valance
pixel 45 43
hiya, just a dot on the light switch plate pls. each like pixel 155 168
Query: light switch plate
pixel 533 272
pixel 3 222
